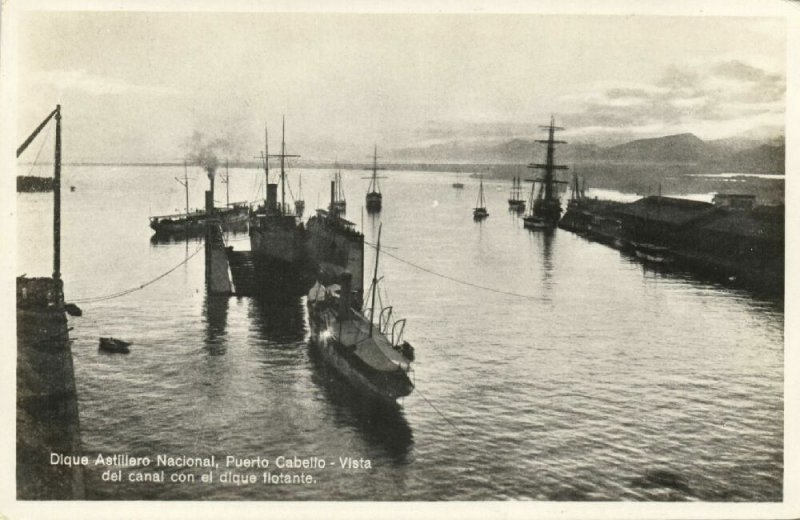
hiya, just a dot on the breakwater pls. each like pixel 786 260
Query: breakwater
pixel 47 402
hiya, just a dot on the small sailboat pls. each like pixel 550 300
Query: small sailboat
pixel 515 200
pixel 458 184
pixel 480 213
pixel 374 196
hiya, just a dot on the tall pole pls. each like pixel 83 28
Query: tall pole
pixel 266 163
pixel 227 185
pixel 375 281
pixel 283 160
pixel 186 185
pixel 548 171
pixel 57 200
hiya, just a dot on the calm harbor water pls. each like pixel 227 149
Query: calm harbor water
pixel 573 373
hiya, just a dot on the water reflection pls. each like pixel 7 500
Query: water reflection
pixel 382 425
pixel 216 314
pixel 280 321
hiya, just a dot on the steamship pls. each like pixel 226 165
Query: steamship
pixel 365 346
pixel 277 235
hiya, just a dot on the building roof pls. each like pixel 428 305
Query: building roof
pixel 669 210
pixel 747 225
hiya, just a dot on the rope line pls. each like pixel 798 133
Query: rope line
pixel 453 279
pixel 94 299
pixel 451 423
pixel 41 147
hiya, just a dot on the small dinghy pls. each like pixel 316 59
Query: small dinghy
pixel 116 346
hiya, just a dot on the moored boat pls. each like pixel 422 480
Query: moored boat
pixel 233 217
pixel 374 195
pixel 116 346
pixel 515 200
pixel 652 252
pixel 480 212
pixel 545 211
pixel 277 236
pixel 365 348
pixel 339 203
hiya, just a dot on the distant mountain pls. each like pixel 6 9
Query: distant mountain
pixel 765 158
pixel 672 148
pixel 738 154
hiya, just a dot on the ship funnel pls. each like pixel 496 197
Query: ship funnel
pixel 333 196
pixel 272 196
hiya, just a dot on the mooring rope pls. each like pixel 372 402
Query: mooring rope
pixel 451 278
pixel 94 299
pixel 451 423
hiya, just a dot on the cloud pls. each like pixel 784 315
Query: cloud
pixel 711 97
pixel 94 84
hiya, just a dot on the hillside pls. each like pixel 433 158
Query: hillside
pixel 730 155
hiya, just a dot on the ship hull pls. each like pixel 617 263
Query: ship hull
pixel 277 238
pixel 195 224
pixel 380 385
pixel 374 201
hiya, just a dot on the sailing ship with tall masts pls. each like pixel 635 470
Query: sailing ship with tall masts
pixel 545 210
pixel 515 200
pixel 277 236
pixel 233 217
pixel 480 212
pixel 374 196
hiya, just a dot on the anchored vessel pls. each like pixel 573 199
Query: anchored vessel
pixel 458 184
pixel 339 203
pixel 515 200
pixel 374 196
pixel 480 213
pixel 277 237
pixel 365 347
pixel 545 210
pixel 232 217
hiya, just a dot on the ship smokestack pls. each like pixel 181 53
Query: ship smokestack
pixel 211 172
pixel 333 196
pixel 272 197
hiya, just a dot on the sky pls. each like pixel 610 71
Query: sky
pixel 137 86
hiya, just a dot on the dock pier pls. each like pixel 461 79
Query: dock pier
pixel 47 401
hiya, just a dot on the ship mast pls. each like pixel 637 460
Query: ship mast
pixel 549 167
pixel 266 164
pixel 283 157
pixel 185 184
pixel 374 184
pixel 227 186
pixel 375 281
pixel 283 164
